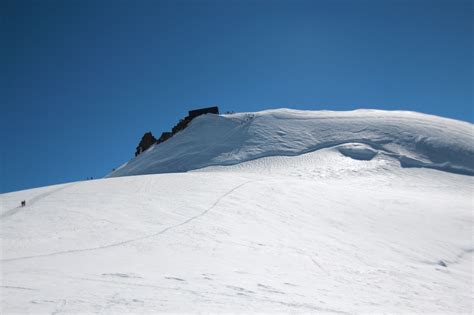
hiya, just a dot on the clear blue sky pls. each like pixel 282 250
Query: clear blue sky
pixel 83 80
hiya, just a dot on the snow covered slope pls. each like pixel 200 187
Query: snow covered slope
pixel 415 139
pixel 345 228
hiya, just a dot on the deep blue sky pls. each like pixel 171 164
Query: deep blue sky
pixel 83 80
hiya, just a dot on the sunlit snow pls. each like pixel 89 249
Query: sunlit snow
pixel 282 210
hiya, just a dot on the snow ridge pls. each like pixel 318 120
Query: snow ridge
pixel 414 139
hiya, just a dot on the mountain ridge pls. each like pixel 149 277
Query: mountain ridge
pixel 415 139
pixel 342 229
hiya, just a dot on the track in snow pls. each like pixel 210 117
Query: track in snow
pixel 34 200
pixel 72 251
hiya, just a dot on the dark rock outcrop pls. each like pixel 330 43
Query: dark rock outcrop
pixel 183 123
pixel 147 141
pixel 164 136
pixel 198 112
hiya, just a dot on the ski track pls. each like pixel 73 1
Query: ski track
pixel 251 294
pixel 72 251
pixel 34 200
pixel 17 288
pixel 333 235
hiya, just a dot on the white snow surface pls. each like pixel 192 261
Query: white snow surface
pixel 342 228
pixel 416 140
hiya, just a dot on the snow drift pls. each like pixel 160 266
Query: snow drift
pixel 414 139
pixel 293 212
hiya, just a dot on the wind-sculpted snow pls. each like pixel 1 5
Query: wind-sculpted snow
pixel 321 232
pixel 414 139
pixel 357 151
pixel 283 211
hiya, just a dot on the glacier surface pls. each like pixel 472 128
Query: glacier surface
pixel 283 211
pixel 416 140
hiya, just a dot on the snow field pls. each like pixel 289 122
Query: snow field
pixel 318 232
